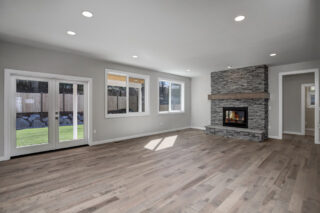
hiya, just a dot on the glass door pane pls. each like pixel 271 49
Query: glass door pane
pixel 65 112
pixel 32 107
pixel 80 111
pixel 71 112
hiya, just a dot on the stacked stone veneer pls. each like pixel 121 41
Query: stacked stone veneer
pixel 244 80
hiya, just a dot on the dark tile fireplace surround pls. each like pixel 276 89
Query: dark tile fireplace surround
pixel 239 103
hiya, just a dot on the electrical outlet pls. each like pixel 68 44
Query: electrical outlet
pixel 94 131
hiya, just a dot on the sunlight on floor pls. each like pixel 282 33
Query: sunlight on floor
pixel 167 142
pixel 161 143
pixel 153 144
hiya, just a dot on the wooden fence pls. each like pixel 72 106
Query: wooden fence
pixel 38 102
pixel 119 103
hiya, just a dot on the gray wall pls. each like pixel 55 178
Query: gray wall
pixel 201 105
pixel 28 58
pixel 292 100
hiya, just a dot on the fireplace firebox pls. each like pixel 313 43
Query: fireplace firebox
pixel 235 117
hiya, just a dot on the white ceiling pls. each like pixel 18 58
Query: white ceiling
pixel 169 35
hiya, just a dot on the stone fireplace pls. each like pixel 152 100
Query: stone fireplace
pixel 239 103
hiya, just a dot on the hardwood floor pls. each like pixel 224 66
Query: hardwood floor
pixel 183 171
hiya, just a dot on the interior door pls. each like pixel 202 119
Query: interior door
pixel 32 113
pixel 71 114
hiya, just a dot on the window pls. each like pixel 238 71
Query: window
pixel 311 98
pixel 126 94
pixel 171 96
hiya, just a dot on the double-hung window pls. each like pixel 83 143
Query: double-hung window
pixel 126 94
pixel 171 96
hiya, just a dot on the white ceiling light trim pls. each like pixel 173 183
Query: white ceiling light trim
pixel 229 67
pixel 239 18
pixel 273 54
pixel 87 14
pixel 135 56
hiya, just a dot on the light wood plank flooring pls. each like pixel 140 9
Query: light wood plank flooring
pixel 183 171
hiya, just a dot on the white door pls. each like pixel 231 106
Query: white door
pixel 71 114
pixel 47 114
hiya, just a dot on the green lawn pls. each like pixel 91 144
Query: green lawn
pixel 27 137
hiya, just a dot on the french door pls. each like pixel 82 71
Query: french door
pixel 47 114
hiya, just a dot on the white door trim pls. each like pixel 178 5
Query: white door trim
pixel 8 73
pixel 316 82
pixel 303 107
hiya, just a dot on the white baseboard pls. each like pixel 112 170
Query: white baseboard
pixel 198 127
pixel 292 133
pixel 4 158
pixel 137 136
pixel 274 137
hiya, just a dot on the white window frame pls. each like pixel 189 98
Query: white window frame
pixel 128 75
pixel 182 97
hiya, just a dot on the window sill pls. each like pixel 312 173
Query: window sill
pixel 138 114
pixel 170 113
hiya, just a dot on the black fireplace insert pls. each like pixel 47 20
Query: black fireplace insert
pixel 235 117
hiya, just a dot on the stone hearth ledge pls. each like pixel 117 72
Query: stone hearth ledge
pixel 233 132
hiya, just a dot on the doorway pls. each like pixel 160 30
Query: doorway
pixel 296 125
pixel 46 112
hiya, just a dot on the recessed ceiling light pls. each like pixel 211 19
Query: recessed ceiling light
pixel 87 14
pixel 135 56
pixel 273 54
pixel 229 67
pixel 239 18
pixel 188 70
pixel 69 32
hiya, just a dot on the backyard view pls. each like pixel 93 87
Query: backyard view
pixel 32 110
pixel 173 90
pixel 28 137
pixel 118 97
